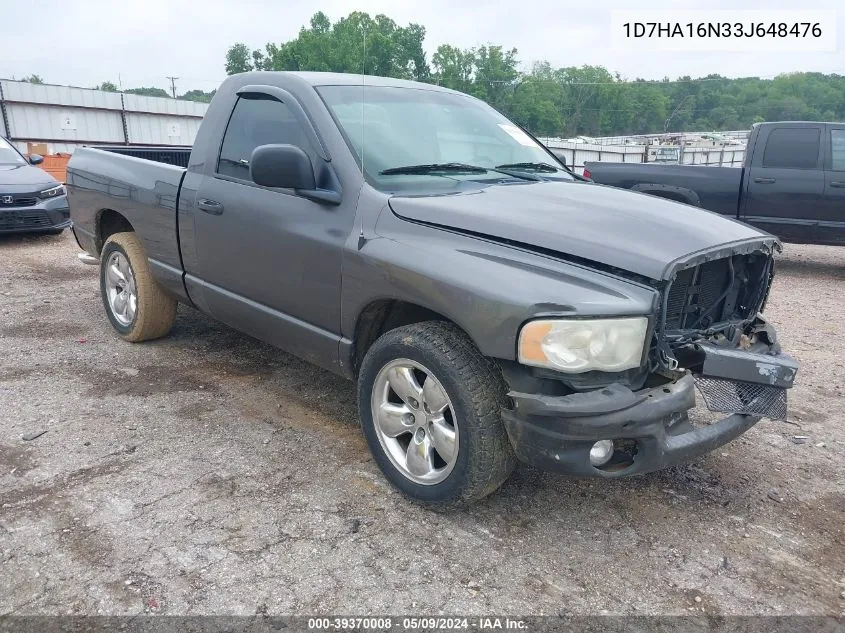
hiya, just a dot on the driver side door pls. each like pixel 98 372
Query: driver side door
pixel 268 260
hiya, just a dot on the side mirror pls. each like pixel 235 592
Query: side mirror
pixel 35 159
pixel 283 166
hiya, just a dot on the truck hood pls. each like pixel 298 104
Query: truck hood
pixel 641 234
pixel 23 178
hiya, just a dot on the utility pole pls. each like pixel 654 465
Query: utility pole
pixel 173 85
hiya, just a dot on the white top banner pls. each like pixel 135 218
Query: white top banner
pixel 723 30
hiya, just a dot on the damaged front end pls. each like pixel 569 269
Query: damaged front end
pixel 710 324
pixel 707 335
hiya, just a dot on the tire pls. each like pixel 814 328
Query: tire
pixel 154 311
pixel 482 457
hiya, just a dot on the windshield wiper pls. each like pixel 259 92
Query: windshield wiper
pixel 543 167
pixel 454 168
pixel 435 167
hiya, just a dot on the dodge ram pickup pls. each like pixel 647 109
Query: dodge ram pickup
pixel 31 200
pixel 490 307
pixel 792 183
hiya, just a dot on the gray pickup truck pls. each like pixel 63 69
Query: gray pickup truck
pixel 409 237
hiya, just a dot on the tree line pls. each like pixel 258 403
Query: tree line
pixel 548 101
pixel 190 95
pixel 110 86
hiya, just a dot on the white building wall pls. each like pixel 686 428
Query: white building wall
pixel 64 117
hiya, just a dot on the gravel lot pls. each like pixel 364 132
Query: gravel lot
pixel 208 473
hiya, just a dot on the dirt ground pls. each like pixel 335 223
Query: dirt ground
pixel 208 473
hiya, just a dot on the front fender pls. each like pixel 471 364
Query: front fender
pixel 486 288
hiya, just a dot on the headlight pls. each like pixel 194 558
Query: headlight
pixel 578 345
pixel 53 192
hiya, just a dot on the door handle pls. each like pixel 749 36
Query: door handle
pixel 839 184
pixel 765 181
pixel 212 207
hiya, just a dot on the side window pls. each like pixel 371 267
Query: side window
pixel 793 148
pixel 8 154
pixel 257 122
pixel 837 150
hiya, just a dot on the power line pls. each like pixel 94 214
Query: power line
pixel 173 85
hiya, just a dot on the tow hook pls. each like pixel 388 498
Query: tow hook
pixel 85 258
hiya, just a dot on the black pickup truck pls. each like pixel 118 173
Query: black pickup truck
pixel 792 183
pixel 409 237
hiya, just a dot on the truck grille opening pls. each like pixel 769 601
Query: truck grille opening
pixel 730 396
pixel 716 291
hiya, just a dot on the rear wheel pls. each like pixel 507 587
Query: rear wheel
pixel 430 406
pixel 136 305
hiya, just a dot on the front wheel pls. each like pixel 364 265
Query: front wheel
pixel 136 305
pixel 430 406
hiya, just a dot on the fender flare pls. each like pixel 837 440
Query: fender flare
pixel 687 195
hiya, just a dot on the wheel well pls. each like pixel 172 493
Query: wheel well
pixel 108 223
pixel 381 316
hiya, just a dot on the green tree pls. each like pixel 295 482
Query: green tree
pixel 495 75
pixel 641 109
pixel 107 86
pixel 549 101
pixel 198 95
pixel 536 103
pixel 590 100
pixel 33 79
pixel 148 92
pixel 356 43
pixel 237 59
pixel 258 60
pixel 453 68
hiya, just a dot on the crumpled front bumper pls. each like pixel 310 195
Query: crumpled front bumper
pixel 650 428
pixel 556 432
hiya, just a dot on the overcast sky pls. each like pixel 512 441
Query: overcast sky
pixel 143 41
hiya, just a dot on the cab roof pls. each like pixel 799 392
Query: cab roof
pixel 340 79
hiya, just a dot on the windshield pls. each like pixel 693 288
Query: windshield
pixel 394 128
pixel 8 154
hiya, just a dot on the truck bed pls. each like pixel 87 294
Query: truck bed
pixel 143 191
pixel 713 188
pixel 179 156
